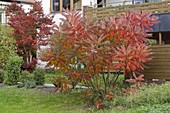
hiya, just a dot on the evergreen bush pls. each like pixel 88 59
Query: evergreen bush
pixel 13 69
pixel 39 76
pixel 2 72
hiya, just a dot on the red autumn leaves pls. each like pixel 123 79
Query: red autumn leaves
pixel 31 29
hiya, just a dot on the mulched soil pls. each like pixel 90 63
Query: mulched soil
pixel 46 89
pixel 38 88
pixel 1 85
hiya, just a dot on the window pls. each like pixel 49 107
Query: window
pixel 138 1
pixel 152 0
pixel 99 3
pixel 3 19
pixel 58 5
pixel 55 5
pixel 66 4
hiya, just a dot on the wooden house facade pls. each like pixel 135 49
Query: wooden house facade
pixel 3 19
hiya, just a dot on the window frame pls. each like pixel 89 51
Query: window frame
pixel 61 6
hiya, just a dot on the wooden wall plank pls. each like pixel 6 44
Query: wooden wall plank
pixel 159 66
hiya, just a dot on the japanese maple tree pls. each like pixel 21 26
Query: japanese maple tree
pixel 31 29
pixel 86 50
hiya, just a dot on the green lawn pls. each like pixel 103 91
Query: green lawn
pixel 21 100
pixel 14 100
pixel 154 99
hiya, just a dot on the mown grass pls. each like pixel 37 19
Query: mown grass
pixel 21 100
pixel 14 100
pixel 151 99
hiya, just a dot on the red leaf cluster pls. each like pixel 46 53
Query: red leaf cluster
pixel 100 105
pixel 136 80
pixel 131 57
pixel 61 85
pixel 109 95
pixel 30 29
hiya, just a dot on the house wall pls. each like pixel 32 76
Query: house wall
pixel 57 15
pixel 163 25
pixel 117 2
pixel 2 11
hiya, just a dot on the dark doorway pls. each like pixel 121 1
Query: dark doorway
pixel 99 3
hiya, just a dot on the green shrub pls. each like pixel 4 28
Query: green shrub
pixel 158 108
pixel 148 95
pixel 30 84
pixel 2 72
pixel 6 45
pixel 13 69
pixel 25 76
pixel 49 77
pixel 39 76
pixel 50 70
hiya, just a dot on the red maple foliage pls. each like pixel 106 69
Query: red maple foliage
pixel 31 30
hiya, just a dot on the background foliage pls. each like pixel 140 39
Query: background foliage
pixel 7 45
pixel 30 29
pixel 39 76
pixel 13 70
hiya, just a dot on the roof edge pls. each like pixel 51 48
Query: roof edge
pixel 26 2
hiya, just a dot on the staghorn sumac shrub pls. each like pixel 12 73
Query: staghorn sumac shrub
pixel 114 43
pixel 31 30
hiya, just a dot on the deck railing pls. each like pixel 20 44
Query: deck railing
pixel 154 7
